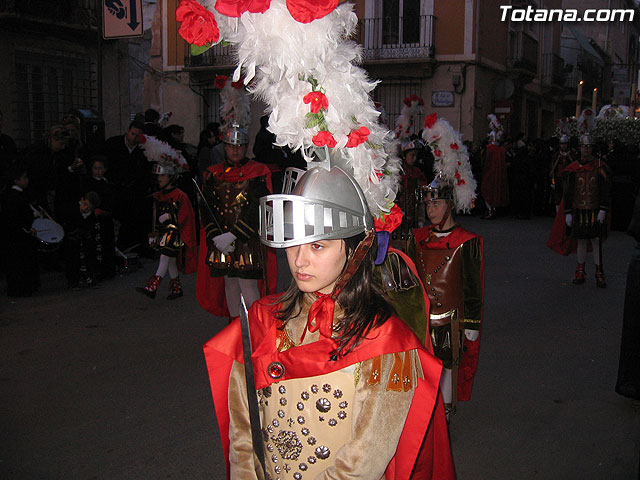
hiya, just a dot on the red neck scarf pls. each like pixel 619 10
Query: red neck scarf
pixel 322 312
pixel 323 308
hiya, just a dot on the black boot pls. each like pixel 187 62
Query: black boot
pixel 176 289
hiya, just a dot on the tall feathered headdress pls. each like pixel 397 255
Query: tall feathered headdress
pixel 412 106
pixel 495 127
pixel 300 62
pixel 168 159
pixel 451 160
pixel 235 108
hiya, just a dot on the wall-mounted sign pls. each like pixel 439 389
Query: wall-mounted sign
pixel 121 18
pixel 442 98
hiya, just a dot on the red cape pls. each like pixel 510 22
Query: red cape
pixel 495 182
pixel 210 290
pixel 247 171
pixel 186 224
pixel 425 429
pixel 469 359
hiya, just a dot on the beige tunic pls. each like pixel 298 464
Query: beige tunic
pixel 332 426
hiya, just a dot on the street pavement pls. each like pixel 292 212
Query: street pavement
pixel 104 383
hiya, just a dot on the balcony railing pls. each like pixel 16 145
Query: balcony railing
pixel 381 39
pixel 217 56
pixel 523 52
pixel 397 38
pixel 69 12
pixel 552 70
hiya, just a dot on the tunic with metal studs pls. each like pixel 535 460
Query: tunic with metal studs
pixel 233 197
pixel 322 418
pixel 451 266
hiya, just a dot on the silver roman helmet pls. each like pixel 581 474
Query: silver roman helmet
pixel 159 169
pixel 325 204
pixel 440 188
pixel 235 135
pixel 586 140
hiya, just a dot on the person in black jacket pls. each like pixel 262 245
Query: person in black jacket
pixel 20 248
pixel 130 174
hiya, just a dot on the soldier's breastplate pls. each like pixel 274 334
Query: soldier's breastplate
pixel 231 199
pixel 305 421
pixel 167 234
pixel 441 272
pixel 585 196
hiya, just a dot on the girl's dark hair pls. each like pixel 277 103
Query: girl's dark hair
pixel 363 300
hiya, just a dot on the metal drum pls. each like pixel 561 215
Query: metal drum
pixel 49 233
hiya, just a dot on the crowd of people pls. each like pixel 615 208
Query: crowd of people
pixel 126 199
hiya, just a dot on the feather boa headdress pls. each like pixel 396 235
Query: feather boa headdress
pixel 451 160
pixel 297 57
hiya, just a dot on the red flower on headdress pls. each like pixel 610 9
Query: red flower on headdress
pixel 220 81
pixel 454 146
pixel 238 85
pixel 356 137
pixel 197 24
pixel 413 98
pixel 390 221
pixel 430 120
pixel 306 11
pixel 457 175
pixel 317 101
pixel 323 138
pixel 437 153
pixel 235 8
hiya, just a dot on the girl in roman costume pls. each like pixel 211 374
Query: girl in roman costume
pixel 174 234
pixel 344 387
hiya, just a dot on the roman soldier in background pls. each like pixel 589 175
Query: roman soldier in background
pixel 562 159
pixel 412 179
pixel 586 199
pixel 231 255
pixel 450 262
pixel 174 230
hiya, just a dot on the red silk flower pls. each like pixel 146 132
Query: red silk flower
pixel 323 138
pixel 317 101
pixel 437 153
pixel 306 11
pixel 454 146
pixel 430 121
pixel 413 98
pixel 356 137
pixel 390 221
pixel 235 8
pixel 198 26
pixel 220 81
pixel 238 85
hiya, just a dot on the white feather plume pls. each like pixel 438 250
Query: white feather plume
pixel 235 107
pixel 451 159
pixel 279 55
pixel 405 123
pixel 162 153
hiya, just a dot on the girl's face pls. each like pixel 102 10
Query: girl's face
pixel 316 266
pixel 437 210
pixel 98 170
pixel 163 180
pixel 411 157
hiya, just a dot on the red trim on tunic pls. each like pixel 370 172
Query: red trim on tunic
pixel 186 225
pixel 469 359
pixel 425 429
